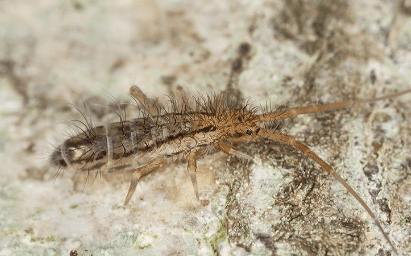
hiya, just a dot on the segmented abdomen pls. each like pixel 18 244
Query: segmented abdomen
pixel 120 145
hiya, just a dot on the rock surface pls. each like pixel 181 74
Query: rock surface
pixel 291 53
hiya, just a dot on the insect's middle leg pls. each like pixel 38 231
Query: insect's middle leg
pixel 141 172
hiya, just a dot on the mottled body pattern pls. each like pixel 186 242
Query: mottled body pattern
pixel 145 144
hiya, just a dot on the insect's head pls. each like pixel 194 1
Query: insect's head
pixel 242 125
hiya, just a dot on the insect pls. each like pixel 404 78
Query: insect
pixel 187 132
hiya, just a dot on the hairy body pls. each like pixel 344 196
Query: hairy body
pixel 145 144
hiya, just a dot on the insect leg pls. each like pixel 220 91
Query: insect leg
pixel 141 172
pixel 229 150
pixel 287 139
pixel 153 107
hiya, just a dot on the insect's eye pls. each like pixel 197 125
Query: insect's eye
pixel 249 132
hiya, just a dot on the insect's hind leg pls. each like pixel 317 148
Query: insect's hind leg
pixel 141 172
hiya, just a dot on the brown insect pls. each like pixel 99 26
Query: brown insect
pixel 187 132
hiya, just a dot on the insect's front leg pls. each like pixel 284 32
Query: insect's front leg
pixel 141 172
pixel 229 150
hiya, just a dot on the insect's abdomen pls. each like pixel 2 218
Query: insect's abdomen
pixel 120 145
